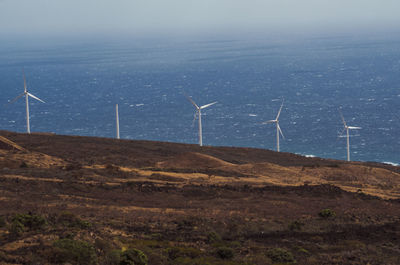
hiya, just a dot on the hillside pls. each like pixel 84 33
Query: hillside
pixel 185 204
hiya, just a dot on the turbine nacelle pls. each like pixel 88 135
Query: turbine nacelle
pixel 278 128
pixel 347 128
pixel 198 115
pixel 27 95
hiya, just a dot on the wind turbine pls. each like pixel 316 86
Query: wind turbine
pixel 27 95
pixel 347 128
pixel 117 120
pixel 198 114
pixel 278 128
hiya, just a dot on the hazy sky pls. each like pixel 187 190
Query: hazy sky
pixel 69 16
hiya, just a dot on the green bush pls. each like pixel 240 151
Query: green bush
pixel 73 251
pixel 280 255
pixel 16 228
pixel 302 250
pixel 30 221
pixel 326 213
pixel 68 219
pixel 213 237
pixel 133 257
pixel 225 253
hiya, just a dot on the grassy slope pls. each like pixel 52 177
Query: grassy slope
pixel 182 204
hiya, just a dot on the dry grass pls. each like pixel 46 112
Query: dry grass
pixel 152 196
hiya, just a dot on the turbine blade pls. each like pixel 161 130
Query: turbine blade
pixel 353 127
pixel 15 99
pixel 208 105
pixel 194 118
pixel 341 115
pixel 33 96
pixel 279 128
pixel 191 101
pixel 25 87
pixel 341 134
pixel 279 112
pixel 267 122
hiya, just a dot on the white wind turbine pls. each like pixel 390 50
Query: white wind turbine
pixel 347 128
pixel 27 95
pixel 198 115
pixel 117 120
pixel 278 128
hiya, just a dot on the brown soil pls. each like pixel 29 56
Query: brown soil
pixel 177 194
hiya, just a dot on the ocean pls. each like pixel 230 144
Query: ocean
pixel 82 80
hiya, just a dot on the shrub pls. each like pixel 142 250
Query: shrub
pixel 73 251
pixel 103 245
pixel 296 226
pixel 68 219
pixel 113 257
pixel 213 237
pixel 133 257
pixel 156 236
pixel 22 222
pixel 326 213
pixel 225 253
pixel 3 222
pixel 198 261
pixel 3 257
pixel 177 252
pixel 16 228
pixel 302 251
pixel 235 244
pixel 280 255
pixel 173 253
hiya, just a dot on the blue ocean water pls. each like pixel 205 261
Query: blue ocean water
pixel 81 81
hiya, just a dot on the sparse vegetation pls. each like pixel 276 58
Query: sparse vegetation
pixel 213 237
pixel 16 228
pixel 26 222
pixel 68 219
pixel 179 252
pixel 280 255
pixel 327 213
pixel 100 201
pixel 133 257
pixel 3 222
pixel 73 251
pixel 225 253
pixel 296 226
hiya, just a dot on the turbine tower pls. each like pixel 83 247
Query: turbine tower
pixel 278 128
pixel 198 114
pixel 347 128
pixel 27 95
pixel 117 120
